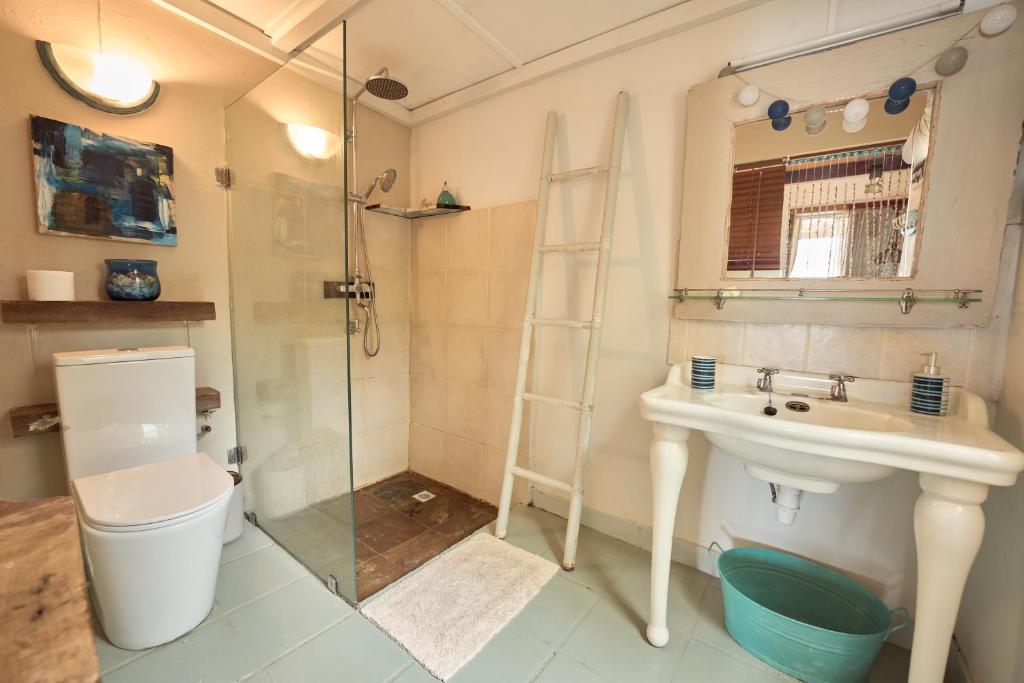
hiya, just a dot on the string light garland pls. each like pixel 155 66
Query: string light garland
pixel 948 62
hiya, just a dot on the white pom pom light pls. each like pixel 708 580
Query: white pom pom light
pixel 998 19
pixel 748 96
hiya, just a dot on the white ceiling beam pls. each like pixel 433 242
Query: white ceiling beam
pixel 226 25
pixel 482 32
pixel 660 25
pixel 318 65
pixel 307 20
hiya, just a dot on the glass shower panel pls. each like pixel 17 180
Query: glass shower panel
pixel 287 239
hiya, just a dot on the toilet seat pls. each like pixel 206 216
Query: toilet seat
pixel 151 496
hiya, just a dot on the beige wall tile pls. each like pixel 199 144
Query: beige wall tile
pixel 467 239
pixel 385 401
pixel 902 349
pixel 723 340
pixel 853 350
pixel 465 410
pixel 426 401
pixel 393 357
pixel 428 243
pixel 677 333
pixel 984 362
pixel 512 227
pixel 392 290
pixel 464 354
pixel 777 346
pixel 426 451
pixel 507 298
pixel 389 240
pixel 502 359
pixel 499 420
pixel 492 471
pixel 426 350
pixel 386 452
pixel 466 297
pixel 428 296
pixel 461 463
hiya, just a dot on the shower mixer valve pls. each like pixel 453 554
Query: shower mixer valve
pixel 359 289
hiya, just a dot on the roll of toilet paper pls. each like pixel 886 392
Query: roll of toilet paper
pixel 50 285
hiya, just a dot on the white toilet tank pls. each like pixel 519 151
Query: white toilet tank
pixel 125 407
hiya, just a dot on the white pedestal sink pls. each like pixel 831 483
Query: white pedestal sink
pixel 831 444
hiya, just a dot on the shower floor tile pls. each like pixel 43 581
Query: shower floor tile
pixel 410 532
pixel 394 532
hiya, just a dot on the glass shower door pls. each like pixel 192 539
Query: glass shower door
pixel 287 239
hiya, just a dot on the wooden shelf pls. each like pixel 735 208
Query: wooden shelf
pixel 438 210
pixel 44 418
pixel 32 312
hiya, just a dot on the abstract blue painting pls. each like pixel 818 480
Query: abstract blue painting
pixel 90 184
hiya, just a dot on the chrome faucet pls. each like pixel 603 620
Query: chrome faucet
pixel 838 392
pixel 765 383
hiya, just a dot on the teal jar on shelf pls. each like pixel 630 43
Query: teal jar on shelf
pixel 446 197
pixel 132 280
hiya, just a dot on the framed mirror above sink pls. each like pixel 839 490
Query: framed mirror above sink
pixel 848 215
pixel 830 200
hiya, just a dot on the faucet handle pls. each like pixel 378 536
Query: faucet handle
pixel 840 377
pixel 768 372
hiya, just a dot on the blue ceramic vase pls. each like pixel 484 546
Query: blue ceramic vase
pixel 132 280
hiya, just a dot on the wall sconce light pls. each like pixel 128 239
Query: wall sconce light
pixel 312 142
pixel 103 81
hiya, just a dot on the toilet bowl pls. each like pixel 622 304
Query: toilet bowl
pixel 152 536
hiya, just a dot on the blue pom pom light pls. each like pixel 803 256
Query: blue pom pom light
pixel 778 109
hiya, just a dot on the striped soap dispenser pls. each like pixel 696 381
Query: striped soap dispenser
pixel 930 392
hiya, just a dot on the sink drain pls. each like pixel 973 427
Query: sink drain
pixel 798 406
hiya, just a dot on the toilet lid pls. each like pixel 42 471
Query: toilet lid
pixel 151 493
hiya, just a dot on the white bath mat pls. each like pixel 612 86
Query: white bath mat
pixel 447 610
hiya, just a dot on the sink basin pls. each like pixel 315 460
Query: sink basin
pixel 818 412
pixel 834 443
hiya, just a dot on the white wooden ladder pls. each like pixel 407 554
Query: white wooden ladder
pixel 585 405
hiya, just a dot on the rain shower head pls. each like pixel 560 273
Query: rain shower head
pixel 383 86
pixel 386 180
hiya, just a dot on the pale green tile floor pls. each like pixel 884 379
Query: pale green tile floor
pixel 274 621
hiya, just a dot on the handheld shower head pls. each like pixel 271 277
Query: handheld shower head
pixel 386 180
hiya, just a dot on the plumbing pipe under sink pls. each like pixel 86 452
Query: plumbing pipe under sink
pixel 787 502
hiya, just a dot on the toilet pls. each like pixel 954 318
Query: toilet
pixel 151 509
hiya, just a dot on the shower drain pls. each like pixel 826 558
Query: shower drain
pixel 424 496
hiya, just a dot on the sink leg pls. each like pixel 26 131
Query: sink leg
pixel 948 526
pixel 669 456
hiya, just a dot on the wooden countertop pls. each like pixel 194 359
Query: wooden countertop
pixel 45 628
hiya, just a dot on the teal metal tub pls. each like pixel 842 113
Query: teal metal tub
pixel 801 618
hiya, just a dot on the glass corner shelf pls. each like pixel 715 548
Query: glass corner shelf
pixel 437 210
pixel 906 298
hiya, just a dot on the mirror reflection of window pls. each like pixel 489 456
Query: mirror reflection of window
pixel 829 211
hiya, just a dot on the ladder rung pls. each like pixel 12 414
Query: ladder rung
pixel 548 322
pixel 578 173
pixel 581 246
pixel 541 479
pixel 575 405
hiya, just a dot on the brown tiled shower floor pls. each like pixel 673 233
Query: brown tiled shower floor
pixel 394 532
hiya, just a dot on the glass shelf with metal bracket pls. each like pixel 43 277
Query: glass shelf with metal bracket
pixel 906 299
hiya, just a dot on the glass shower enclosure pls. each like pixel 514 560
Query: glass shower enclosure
pixel 288 239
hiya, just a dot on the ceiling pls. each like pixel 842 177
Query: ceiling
pixel 438 47
pixel 451 53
